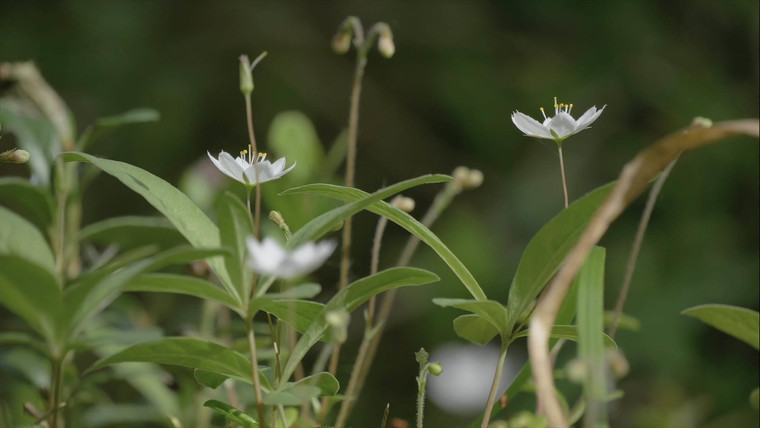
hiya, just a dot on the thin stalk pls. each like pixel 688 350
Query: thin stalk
pixel 55 386
pixel 252 138
pixel 385 415
pixel 562 171
pixel 353 127
pixel 255 371
pixel 495 384
pixel 348 403
pixel 645 216
pixel 277 366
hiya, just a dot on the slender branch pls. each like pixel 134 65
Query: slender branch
pixel 645 216
pixel 495 383
pixel 55 386
pixel 633 179
pixel 562 171
pixel 252 139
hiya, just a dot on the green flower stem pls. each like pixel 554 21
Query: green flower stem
pixel 277 366
pixel 56 381
pixel 495 384
pixel 562 171
pixel 252 138
pixel 353 127
pixel 255 371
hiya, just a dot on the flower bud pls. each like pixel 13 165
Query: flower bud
pixel 461 176
pixel 15 156
pixel 341 41
pixel 435 369
pixel 576 370
pixel 276 218
pixel 474 179
pixel 403 203
pixel 618 363
pixel 385 44
pixel 246 77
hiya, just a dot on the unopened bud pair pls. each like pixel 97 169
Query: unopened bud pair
pixel 467 178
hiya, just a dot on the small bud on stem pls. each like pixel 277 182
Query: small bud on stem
pixel 14 156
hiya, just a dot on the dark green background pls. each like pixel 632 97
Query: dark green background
pixel 444 100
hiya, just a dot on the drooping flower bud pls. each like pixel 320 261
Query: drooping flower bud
pixel 341 41
pixel 385 43
pixel 403 203
pixel 461 175
pixel 474 179
pixel 15 156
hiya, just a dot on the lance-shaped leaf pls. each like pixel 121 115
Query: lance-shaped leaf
pixel 31 292
pixel 314 229
pixel 90 295
pixel 105 124
pixel 351 298
pixel 297 393
pixel 404 220
pixel 184 214
pixel 31 202
pixel 186 352
pixel 493 312
pixel 133 231
pixel 474 329
pixel 182 284
pixel 234 227
pixel 741 323
pixel 21 238
pixel 547 250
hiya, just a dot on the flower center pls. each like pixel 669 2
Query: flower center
pixel 248 155
pixel 558 108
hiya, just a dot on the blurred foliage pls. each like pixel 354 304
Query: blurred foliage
pixel 443 100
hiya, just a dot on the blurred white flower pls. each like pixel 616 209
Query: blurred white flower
pixel 241 168
pixel 270 258
pixel 558 127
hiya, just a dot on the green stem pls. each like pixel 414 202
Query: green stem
pixel 255 371
pixel 495 384
pixel 55 386
pixel 421 397
pixel 562 171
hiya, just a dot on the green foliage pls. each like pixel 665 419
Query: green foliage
pixel 232 414
pixel 743 324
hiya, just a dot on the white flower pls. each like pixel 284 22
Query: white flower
pixel 241 168
pixel 270 258
pixel 558 127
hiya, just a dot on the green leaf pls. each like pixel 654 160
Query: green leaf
pixel 234 227
pixel 299 314
pixel 209 379
pixel 738 322
pixel 132 232
pixel 349 299
pixel 292 135
pixel 475 329
pixel 31 202
pixel 569 332
pixel 185 352
pixel 590 334
pixel 297 393
pixel 182 284
pixel 184 214
pixel 232 414
pixel 94 292
pixel 12 338
pixel 491 311
pixel 547 250
pixel 754 399
pixel 31 292
pixel 21 238
pixel 404 220
pixel 330 220
pixel 303 291
pixel 103 125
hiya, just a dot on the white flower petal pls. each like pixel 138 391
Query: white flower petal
pixel 278 165
pixel 265 257
pixel 563 125
pixel 530 126
pixel 270 258
pixel 589 117
pixel 231 167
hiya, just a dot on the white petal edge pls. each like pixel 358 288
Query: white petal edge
pixel 530 126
